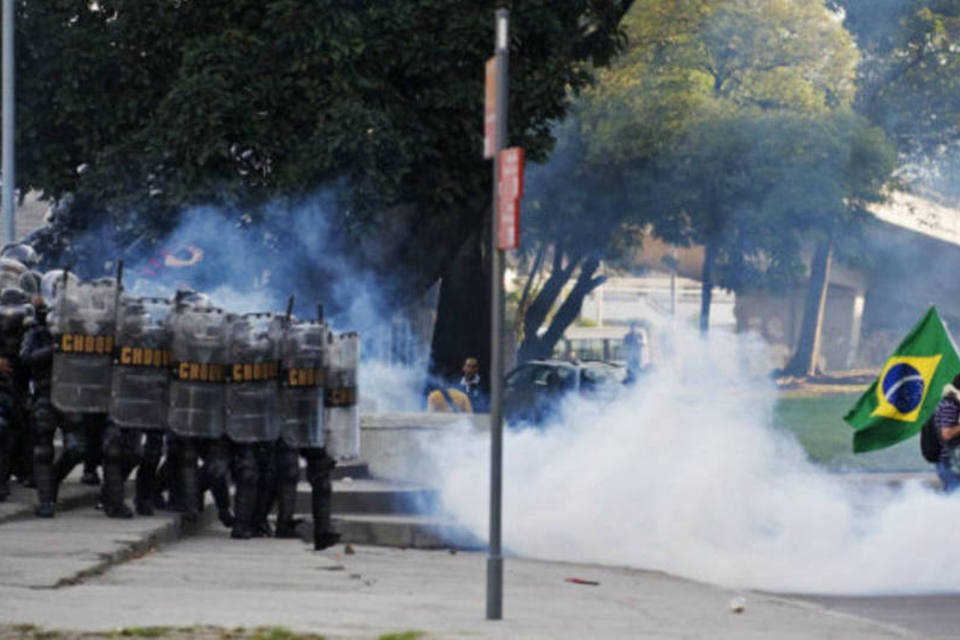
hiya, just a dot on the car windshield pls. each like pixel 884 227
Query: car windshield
pixel 541 376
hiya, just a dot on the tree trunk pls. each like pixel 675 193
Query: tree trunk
pixel 807 354
pixel 706 286
pixel 462 328
pixel 537 347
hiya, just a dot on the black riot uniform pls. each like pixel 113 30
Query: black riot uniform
pixel 196 398
pixel 314 382
pixel 16 312
pixel 81 319
pixel 36 353
pixel 250 413
pixel 138 403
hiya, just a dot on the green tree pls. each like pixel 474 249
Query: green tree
pixel 236 103
pixel 739 105
pixel 909 75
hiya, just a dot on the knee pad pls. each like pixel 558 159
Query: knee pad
pixel 186 454
pixel 44 423
pixel 245 462
pixel 74 445
pixel 288 467
pixel 43 451
pixel 119 445
pixel 215 467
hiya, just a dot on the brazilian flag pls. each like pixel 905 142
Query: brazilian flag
pixel 907 392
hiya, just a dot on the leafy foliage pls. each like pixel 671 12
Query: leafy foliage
pixel 234 102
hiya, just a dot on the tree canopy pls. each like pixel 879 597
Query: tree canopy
pixel 741 112
pixel 139 109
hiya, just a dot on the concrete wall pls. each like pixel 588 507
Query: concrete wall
pixel 394 445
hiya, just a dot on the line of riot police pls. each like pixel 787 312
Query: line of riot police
pixel 216 396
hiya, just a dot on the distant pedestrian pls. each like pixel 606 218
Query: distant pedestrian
pixel 633 345
pixel 947 421
pixel 470 385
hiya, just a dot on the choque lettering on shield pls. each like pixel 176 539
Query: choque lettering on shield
pixel 79 343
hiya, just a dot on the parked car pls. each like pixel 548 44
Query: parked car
pixel 532 392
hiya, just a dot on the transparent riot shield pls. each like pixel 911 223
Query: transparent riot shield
pixel 82 322
pixel 253 369
pixel 340 416
pixel 141 364
pixel 301 385
pixel 198 372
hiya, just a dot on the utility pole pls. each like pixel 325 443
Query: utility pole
pixel 9 171
pixel 495 560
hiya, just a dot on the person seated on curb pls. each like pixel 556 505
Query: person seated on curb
pixel 447 400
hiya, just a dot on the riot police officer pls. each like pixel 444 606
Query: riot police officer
pixel 302 430
pixel 36 352
pixel 196 399
pixel 15 312
pixel 138 403
pixel 250 411
pixel 82 321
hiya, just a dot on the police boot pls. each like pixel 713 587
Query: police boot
pixel 74 447
pixel 189 493
pixel 261 513
pixel 245 497
pixel 24 454
pixel 286 507
pixel 5 442
pixel 221 497
pixel 113 481
pixel 321 494
pixel 4 475
pixel 147 474
pixel 288 474
pixel 46 489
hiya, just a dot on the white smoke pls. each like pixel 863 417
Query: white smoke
pixel 687 475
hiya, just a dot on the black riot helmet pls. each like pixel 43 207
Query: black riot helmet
pixel 22 253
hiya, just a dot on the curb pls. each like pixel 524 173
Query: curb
pixel 399 531
pixel 169 532
pixel 72 496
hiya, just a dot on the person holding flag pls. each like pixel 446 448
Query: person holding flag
pixel 947 423
pixel 900 400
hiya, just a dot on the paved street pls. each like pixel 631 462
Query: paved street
pixel 84 571
pixel 211 579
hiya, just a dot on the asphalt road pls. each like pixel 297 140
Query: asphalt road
pixel 931 616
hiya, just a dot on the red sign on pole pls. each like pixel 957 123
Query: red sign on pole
pixel 509 192
pixel 490 110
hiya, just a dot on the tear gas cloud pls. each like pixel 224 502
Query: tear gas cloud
pixel 251 267
pixel 686 474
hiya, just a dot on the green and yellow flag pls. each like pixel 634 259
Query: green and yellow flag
pixel 908 389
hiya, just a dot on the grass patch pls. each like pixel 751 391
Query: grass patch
pixel 148 632
pixel 280 633
pixel 40 634
pixel 24 628
pixel 817 423
pixel 402 635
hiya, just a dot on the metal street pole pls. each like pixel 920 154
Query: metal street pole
pixel 9 171
pixel 495 560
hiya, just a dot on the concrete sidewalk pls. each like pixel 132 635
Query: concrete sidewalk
pixel 210 579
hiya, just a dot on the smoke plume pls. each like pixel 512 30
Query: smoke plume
pixel 687 475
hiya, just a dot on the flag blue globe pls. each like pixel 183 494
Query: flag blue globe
pixel 903 387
